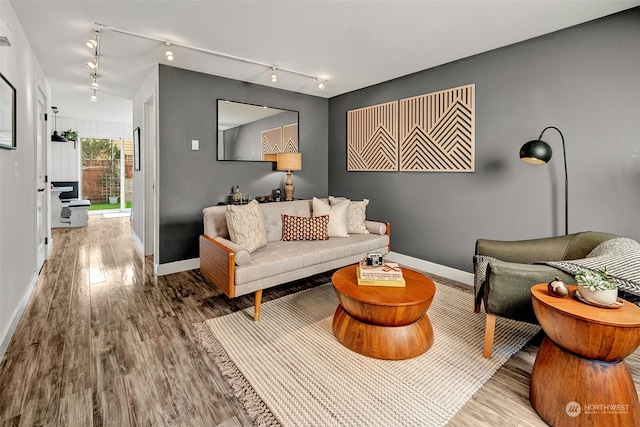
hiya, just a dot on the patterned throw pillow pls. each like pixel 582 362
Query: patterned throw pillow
pixel 246 227
pixel 305 228
pixel 356 214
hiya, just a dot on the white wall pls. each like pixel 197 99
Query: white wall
pixel 144 188
pixel 18 192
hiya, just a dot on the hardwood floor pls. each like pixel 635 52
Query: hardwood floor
pixel 104 342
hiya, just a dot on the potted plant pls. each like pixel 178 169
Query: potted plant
pixel 597 286
pixel 71 135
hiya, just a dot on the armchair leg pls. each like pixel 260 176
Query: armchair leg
pixel 489 332
pixel 256 306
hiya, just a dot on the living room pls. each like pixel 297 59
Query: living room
pixel 581 79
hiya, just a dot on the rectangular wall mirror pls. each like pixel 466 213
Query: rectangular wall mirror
pixel 255 133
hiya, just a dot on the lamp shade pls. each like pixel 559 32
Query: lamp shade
pixel 289 161
pixel 536 152
pixel 57 138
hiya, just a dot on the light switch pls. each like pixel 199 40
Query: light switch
pixel 195 144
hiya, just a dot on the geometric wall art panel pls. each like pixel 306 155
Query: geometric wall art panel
pixel 290 138
pixel 372 138
pixel 437 131
pixel 271 142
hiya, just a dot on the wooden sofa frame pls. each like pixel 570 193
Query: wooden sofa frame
pixel 217 263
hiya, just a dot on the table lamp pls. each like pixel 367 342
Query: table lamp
pixel 289 162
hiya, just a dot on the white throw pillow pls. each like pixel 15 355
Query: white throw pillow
pixel 337 216
pixel 356 214
pixel 246 227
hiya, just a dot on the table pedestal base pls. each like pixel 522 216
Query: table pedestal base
pixel 383 342
pixel 567 390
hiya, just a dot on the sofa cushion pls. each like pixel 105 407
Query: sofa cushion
pixel 356 214
pixel 305 228
pixel 284 256
pixel 246 228
pixel 337 216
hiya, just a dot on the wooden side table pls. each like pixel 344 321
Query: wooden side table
pixel 383 322
pixel 579 377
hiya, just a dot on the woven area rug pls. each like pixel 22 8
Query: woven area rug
pixel 290 370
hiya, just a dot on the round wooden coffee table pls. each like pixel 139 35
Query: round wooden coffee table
pixel 579 377
pixel 383 322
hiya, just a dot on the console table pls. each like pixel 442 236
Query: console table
pixel 579 377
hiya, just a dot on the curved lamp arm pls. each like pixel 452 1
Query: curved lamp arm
pixel 539 152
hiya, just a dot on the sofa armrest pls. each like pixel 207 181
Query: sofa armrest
pixel 507 288
pixel 217 263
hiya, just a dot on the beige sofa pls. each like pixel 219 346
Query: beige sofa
pixel 237 272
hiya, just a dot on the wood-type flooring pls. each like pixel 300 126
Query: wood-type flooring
pixel 104 342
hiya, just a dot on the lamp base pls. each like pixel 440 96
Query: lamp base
pixel 288 188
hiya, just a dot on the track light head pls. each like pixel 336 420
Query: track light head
pixel 94 83
pixel 168 54
pixel 92 43
pixel 274 76
pixel 94 96
pixel 93 64
pixel 321 85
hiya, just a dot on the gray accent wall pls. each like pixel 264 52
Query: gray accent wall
pixel 192 180
pixel 585 80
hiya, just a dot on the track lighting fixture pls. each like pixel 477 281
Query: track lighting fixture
pixel 93 42
pixel 321 82
pixel 92 64
pixel 94 82
pixel 94 96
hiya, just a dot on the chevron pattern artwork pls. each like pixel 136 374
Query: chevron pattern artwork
pixel 437 131
pixel 271 142
pixel 372 138
pixel 282 139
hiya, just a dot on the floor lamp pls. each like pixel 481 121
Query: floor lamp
pixel 289 162
pixel 538 152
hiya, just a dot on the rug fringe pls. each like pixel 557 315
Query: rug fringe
pixel 259 413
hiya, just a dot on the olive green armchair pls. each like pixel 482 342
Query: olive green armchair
pixel 504 273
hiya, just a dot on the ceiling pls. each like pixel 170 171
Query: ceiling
pixel 353 44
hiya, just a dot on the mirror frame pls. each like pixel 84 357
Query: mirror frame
pixel 220 101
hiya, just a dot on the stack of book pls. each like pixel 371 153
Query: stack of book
pixel 388 274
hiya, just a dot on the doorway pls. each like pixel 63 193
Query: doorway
pixel 42 225
pixel 107 173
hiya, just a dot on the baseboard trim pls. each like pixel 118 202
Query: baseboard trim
pixel 8 333
pixel 440 270
pixel 137 241
pixel 177 266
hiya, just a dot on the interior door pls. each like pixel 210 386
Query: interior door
pixel 42 226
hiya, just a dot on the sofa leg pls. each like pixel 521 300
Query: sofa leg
pixel 489 332
pixel 256 307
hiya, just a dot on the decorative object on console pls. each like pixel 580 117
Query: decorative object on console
pixel 337 216
pixel 8 109
pixel 55 137
pixel 289 162
pixel 538 152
